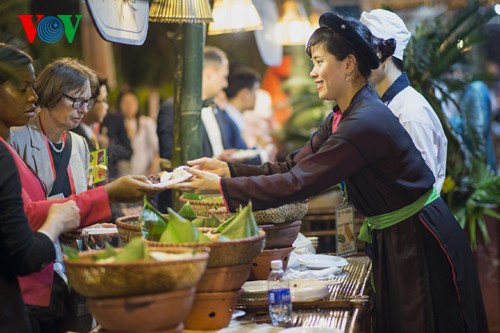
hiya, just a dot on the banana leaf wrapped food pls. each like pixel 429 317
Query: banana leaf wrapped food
pixel 152 222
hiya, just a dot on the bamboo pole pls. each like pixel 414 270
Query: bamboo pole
pixel 189 41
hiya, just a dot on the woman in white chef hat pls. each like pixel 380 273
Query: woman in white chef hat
pixel 393 87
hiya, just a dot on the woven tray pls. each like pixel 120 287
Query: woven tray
pixel 128 227
pixel 202 207
pixel 283 214
pixel 226 253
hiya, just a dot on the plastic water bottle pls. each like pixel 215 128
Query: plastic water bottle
pixel 280 302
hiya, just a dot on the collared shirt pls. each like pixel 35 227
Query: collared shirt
pixel 421 122
pixel 213 130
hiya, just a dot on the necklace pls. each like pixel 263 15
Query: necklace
pixel 54 147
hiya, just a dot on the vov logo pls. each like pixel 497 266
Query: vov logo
pixel 50 29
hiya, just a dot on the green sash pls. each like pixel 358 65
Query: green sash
pixel 387 220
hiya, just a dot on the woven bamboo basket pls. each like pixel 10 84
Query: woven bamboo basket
pixel 202 207
pixel 226 253
pixel 141 277
pixel 128 227
pixel 283 214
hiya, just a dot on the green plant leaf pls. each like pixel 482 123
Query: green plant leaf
pixel 71 252
pixel 152 222
pixel 187 211
pixel 136 249
pixel 179 230
pixel 108 252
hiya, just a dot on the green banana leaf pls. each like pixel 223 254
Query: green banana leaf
pixel 179 230
pixel 241 225
pixel 152 222
pixel 108 252
pixel 136 249
pixel 206 222
pixel 71 252
pixel 193 196
pixel 187 212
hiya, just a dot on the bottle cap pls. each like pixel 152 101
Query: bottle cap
pixel 277 264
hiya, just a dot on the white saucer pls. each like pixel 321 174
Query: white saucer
pixel 173 181
pixel 101 231
pixel 321 261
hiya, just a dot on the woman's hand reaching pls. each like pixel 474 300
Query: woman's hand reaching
pixel 202 182
pixel 212 165
pixel 131 189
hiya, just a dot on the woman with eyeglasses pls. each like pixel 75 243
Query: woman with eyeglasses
pixel 58 156
pixel 89 126
pixel 60 159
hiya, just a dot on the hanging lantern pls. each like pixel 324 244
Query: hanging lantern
pixel 234 16
pixel 180 11
pixel 293 27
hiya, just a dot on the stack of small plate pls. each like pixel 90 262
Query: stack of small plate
pixel 300 290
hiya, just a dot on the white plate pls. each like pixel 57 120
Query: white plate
pixel 173 181
pixel 308 290
pixel 237 314
pixel 101 231
pixel 300 290
pixel 245 154
pixel 321 261
pixel 255 287
pixel 310 330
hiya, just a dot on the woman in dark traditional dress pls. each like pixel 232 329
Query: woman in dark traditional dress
pixel 424 272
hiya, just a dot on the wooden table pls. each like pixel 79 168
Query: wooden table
pixel 347 307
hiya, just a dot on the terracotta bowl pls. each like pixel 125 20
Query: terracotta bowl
pixel 224 278
pixel 212 311
pixel 261 264
pixel 145 313
pixel 226 253
pixel 140 277
pixel 281 235
pixel 128 227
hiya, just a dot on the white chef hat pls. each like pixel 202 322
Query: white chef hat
pixel 385 24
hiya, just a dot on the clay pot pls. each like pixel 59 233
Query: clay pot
pixel 224 278
pixel 146 313
pixel 212 311
pixel 261 264
pixel 281 235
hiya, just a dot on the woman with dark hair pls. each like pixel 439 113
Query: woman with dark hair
pixel 17 106
pixel 424 274
pixel 22 251
pixel 141 131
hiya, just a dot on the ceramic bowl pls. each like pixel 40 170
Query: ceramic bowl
pixel 144 313
pixel 224 278
pixel 212 311
pixel 261 264
pixel 281 235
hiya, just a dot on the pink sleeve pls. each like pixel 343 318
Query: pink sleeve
pixel 94 208
pixel 222 193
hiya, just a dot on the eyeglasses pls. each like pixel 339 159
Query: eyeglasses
pixel 78 102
